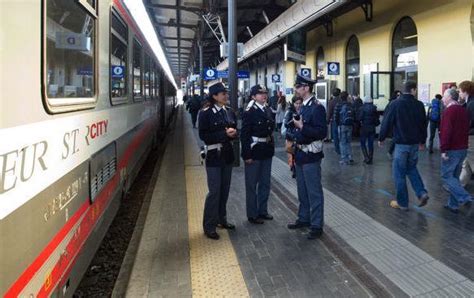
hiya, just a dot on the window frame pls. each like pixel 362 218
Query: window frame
pixel 57 105
pixel 146 69
pixel 118 100
pixel 142 95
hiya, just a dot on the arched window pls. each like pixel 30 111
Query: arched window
pixel 353 66
pixel 405 52
pixel 320 63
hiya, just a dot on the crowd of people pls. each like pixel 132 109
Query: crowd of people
pixel 303 123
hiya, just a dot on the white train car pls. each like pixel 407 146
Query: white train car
pixel 82 101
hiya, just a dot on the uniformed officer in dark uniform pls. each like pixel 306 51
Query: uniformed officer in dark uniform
pixel 217 128
pixel 309 132
pixel 258 149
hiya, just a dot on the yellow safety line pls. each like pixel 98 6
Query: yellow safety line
pixel 215 270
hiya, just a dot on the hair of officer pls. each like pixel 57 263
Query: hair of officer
pixel 344 96
pixel 438 96
pixel 468 87
pixel 336 92
pixel 408 86
pixel 452 93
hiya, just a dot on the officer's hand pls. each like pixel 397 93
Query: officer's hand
pixel 249 161
pixel 298 123
pixel 231 132
pixel 445 156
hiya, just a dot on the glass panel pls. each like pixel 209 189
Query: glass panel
pixel 137 70
pixel 70 55
pixel 146 77
pixel 118 60
pixel 352 49
pixel 119 26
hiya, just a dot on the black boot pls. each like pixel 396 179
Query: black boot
pixel 366 155
pixel 371 157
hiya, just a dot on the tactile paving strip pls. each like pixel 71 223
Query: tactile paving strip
pixel 215 270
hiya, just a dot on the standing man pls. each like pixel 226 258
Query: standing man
pixel 273 103
pixel 310 131
pixel 454 134
pixel 344 116
pixel 193 106
pixel 407 119
pixel 217 128
pixel 258 148
pixel 466 91
pixel 368 118
pixel 336 93
pixel 434 116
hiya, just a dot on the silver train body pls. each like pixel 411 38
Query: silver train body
pixel 82 102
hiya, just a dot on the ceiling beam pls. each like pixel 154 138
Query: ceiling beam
pixel 187 26
pixel 195 10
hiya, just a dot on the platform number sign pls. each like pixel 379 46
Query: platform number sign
pixel 210 74
pixel 276 78
pixel 118 71
pixel 306 72
pixel 333 68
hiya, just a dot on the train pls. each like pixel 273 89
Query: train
pixel 83 101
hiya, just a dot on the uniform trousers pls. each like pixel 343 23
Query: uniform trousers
pixel 257 187
pixel 218 182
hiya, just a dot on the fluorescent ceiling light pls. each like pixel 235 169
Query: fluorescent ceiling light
pixel 139 14
pixel 411 36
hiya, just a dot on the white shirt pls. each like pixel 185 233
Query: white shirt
pixel 218 108
pixel 306 101
pixel 262 107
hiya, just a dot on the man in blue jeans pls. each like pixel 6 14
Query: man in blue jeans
pixel 454 140
pixel 344 117
pixel 407 119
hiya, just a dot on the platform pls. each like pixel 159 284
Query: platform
pixel 368 249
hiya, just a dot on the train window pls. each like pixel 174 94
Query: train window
pixel 146 77
pixel 70 56
pixel 137 71
pixel 152 79
pixel 118 60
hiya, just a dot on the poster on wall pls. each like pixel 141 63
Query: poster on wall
pixel 424 93
pixel 295 46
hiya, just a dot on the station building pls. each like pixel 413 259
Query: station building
pixel 378 46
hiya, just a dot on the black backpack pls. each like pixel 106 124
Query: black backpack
pixel 346 115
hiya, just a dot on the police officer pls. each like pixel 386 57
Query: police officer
pixel 258 149
pixel 217 128
pixel 309 132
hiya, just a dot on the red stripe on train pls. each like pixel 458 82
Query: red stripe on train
pixel 76 243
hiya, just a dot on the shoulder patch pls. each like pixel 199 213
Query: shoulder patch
pixel 205 109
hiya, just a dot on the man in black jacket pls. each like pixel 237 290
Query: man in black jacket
pixel 406 117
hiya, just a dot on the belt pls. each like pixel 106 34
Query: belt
pixel 314 147
pixel 217 146
pixel 256 140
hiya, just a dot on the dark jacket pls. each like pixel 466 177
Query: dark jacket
pixel 194 104
pixel 470 111
pixel 368 117
pixel 331 105
pixel 337 111
pixel 212 125
pixel 260 124
pixel 407 117
pixel 314 129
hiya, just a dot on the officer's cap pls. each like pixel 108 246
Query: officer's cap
pixel 258 89
pixel 216 88
pixel 304 81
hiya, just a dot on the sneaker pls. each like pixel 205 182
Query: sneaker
pixel 394 205
pixel 453 210
pixel 423 200
pixel 315 234
pixel 297 225
pixel 256 221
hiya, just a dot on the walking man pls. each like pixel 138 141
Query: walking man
pixel 344 116
pixel 335 100
pixel 454 135
pixel 258 148
pixel 310 131
pixel 407 119
pixel 434 116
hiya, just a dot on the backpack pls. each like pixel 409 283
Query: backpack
pixel 346 115
pixel 435 110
